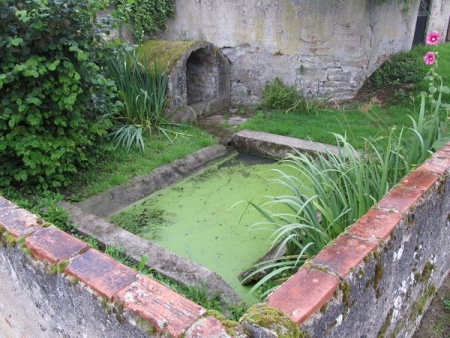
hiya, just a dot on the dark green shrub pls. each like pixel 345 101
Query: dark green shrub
pixel 53 95
pixel 396 71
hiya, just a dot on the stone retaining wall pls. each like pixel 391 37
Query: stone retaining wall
pixel 376 279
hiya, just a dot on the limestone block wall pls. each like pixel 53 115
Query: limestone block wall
pixel 326 48
pixel 376 279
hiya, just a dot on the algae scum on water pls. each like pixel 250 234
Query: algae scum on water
pixel 202 220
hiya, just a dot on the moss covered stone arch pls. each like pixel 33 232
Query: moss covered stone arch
pixel 199 77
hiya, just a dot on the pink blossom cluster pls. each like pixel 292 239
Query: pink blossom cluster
pixel 432 39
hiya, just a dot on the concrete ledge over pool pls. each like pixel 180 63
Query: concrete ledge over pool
pixel 277 146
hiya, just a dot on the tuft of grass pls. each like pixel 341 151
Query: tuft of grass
pixel 119 254
pixel 446 301
pixel 287 99
pixel 278 95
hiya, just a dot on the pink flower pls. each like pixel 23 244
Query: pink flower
pixel 433 38
pixel 429 58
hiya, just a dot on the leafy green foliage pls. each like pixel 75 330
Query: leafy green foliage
pixel 52 91
pixel 148 17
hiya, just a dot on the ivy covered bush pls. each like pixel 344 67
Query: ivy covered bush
pixel 147 17
pixel 53 96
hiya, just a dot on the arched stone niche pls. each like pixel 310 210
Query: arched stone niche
pixel 199 77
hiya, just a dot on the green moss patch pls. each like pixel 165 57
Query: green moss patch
pixel 165 53
pixel 231 326
pixel 273 319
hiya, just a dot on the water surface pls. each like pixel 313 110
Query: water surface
pixel 202 220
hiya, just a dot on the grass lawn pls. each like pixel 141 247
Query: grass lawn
pixel 356 124
pixel 120 166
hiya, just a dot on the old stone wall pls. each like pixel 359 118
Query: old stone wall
pixel 36 302
pixel 325 48
pixel 376 279
pixel 439 17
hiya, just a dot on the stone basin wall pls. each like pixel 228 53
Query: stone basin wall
pixel 376 279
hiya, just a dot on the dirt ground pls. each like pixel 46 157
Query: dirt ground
pixel 436 321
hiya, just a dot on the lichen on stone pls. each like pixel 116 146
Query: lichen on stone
pixel 386 324
pixel 10 239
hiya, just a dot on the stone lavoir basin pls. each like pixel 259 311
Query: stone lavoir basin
pixel 207 219
pixel 192 218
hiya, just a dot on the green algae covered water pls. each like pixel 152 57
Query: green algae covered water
pixel 202 220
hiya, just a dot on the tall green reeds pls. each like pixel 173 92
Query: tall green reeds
pixel 329 192
pixel 142 90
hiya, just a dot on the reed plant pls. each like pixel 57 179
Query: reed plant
pixel 142 91
pixel 329 192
